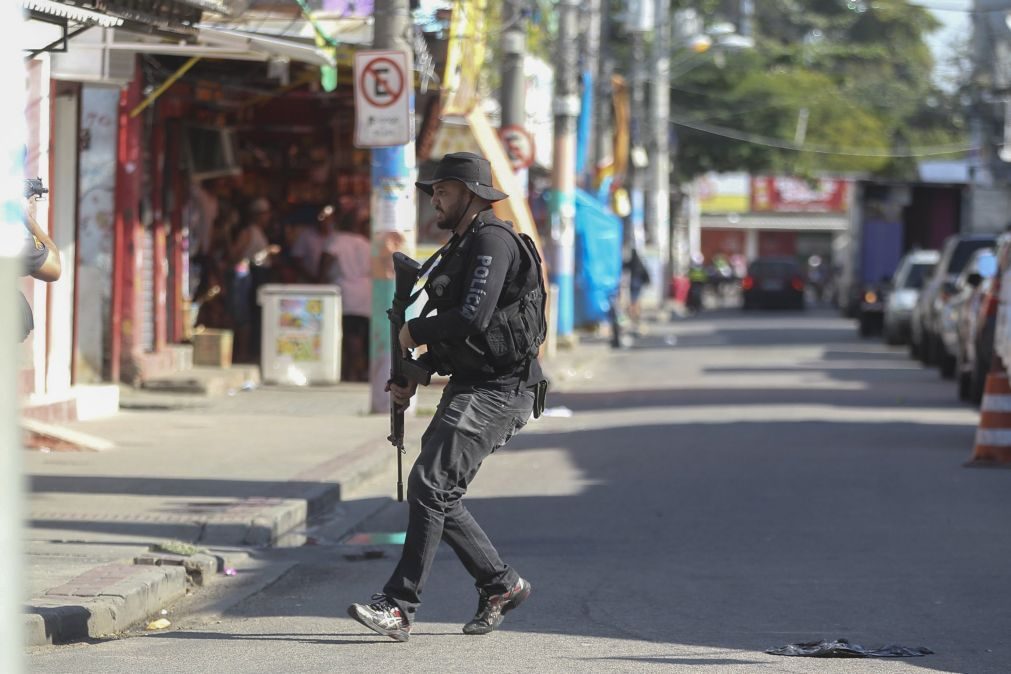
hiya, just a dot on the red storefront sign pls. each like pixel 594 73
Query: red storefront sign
pixel 795 195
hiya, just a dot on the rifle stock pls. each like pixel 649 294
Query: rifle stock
pixel 402 368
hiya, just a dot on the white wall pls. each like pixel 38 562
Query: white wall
pixel 63 200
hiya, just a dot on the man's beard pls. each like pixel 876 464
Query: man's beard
pixel 449 220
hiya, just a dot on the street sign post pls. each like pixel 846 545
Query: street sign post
pixel 382 99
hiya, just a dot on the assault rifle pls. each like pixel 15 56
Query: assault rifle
pixel 35 188
pixel 402 368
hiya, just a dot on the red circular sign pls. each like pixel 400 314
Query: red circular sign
pixel 519 145
pixel 381 82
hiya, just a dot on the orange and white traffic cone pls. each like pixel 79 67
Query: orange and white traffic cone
pixel 993 436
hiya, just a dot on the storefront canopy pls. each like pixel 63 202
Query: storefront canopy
pixel 72 13
pixel 207 43
pixel 356 31
pixel 794 222
pixel 258 43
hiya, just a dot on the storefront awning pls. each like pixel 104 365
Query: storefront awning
pixel 266 44
pixel 356 31
pixel 793 222
pixel 216 6
pixel 209 43
pixel 71 13
pixel 50 25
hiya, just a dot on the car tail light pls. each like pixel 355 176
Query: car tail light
pixel 748 283
pixel 990 305
pixel 992 300
pixel 797 283
pixel 870 297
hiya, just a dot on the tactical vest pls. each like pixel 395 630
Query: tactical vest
pixel 518 325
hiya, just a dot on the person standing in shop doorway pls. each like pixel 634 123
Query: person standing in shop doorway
pixel 41 260
pixel 347 263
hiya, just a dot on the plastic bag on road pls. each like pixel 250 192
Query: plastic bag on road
pixel 842 648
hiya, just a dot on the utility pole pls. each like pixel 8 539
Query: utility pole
pixel 393 207
pixel 590 41
pixel 512 95
pixel 640 22
pixel 602 132
pixel 563 194
pixel 658 201
pixel 12 491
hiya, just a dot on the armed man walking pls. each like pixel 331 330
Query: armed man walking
pixel 487 291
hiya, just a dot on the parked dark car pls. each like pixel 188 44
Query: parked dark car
pixel 925 334
pixel 774 283
pixel 913 271
pixel 871 312
pixel 959 316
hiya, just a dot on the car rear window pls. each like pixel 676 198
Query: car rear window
pixel 917 275
pixel 963 251
pixel 773 268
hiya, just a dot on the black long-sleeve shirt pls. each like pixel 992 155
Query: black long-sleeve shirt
pixel 494 262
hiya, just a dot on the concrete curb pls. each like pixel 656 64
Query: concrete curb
pixel 110 599
pixel 102 602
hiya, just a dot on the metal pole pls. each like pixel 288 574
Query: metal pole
pixel 512 95
pixel 563 193
pixel 590 43
pixel 602 131
pixel 637 165
pixel 658 201
pixel 12 489
pixel 393 207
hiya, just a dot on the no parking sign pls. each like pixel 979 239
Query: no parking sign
pixel 382 99
pixel 519 145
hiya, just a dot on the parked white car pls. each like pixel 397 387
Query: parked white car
pixel 913 271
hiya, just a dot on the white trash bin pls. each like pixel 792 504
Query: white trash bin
pixel 301 337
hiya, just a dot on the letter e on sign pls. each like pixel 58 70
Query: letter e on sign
pixel 382 99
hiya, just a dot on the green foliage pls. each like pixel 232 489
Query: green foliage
pixel 861 69
pixel 541 27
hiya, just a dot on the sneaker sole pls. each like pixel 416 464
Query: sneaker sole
pixel 396 635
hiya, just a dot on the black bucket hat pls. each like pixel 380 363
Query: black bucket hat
pixel 468 168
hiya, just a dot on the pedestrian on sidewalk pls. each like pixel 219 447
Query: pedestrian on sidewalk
pixel 40 258
pixel 346 262
pixel 484 273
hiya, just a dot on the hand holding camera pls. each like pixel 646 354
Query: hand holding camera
pixel 34 188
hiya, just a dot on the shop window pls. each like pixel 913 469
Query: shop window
pixel 211 152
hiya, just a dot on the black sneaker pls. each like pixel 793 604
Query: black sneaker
pixel 383 617
pixel 491 608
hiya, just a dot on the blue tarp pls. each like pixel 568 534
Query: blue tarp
pixel 598 258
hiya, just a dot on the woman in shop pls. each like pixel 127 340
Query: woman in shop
pixel 346 263
pixel 249 254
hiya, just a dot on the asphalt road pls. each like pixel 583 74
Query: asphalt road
pixel 734 482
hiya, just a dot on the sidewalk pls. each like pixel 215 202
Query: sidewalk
pixel 223 474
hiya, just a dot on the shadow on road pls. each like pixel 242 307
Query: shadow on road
pixel 737 536
pixel 735 397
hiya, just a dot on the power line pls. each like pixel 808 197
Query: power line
pixel 756 139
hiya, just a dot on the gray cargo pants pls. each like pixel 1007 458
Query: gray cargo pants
pixel 470 424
